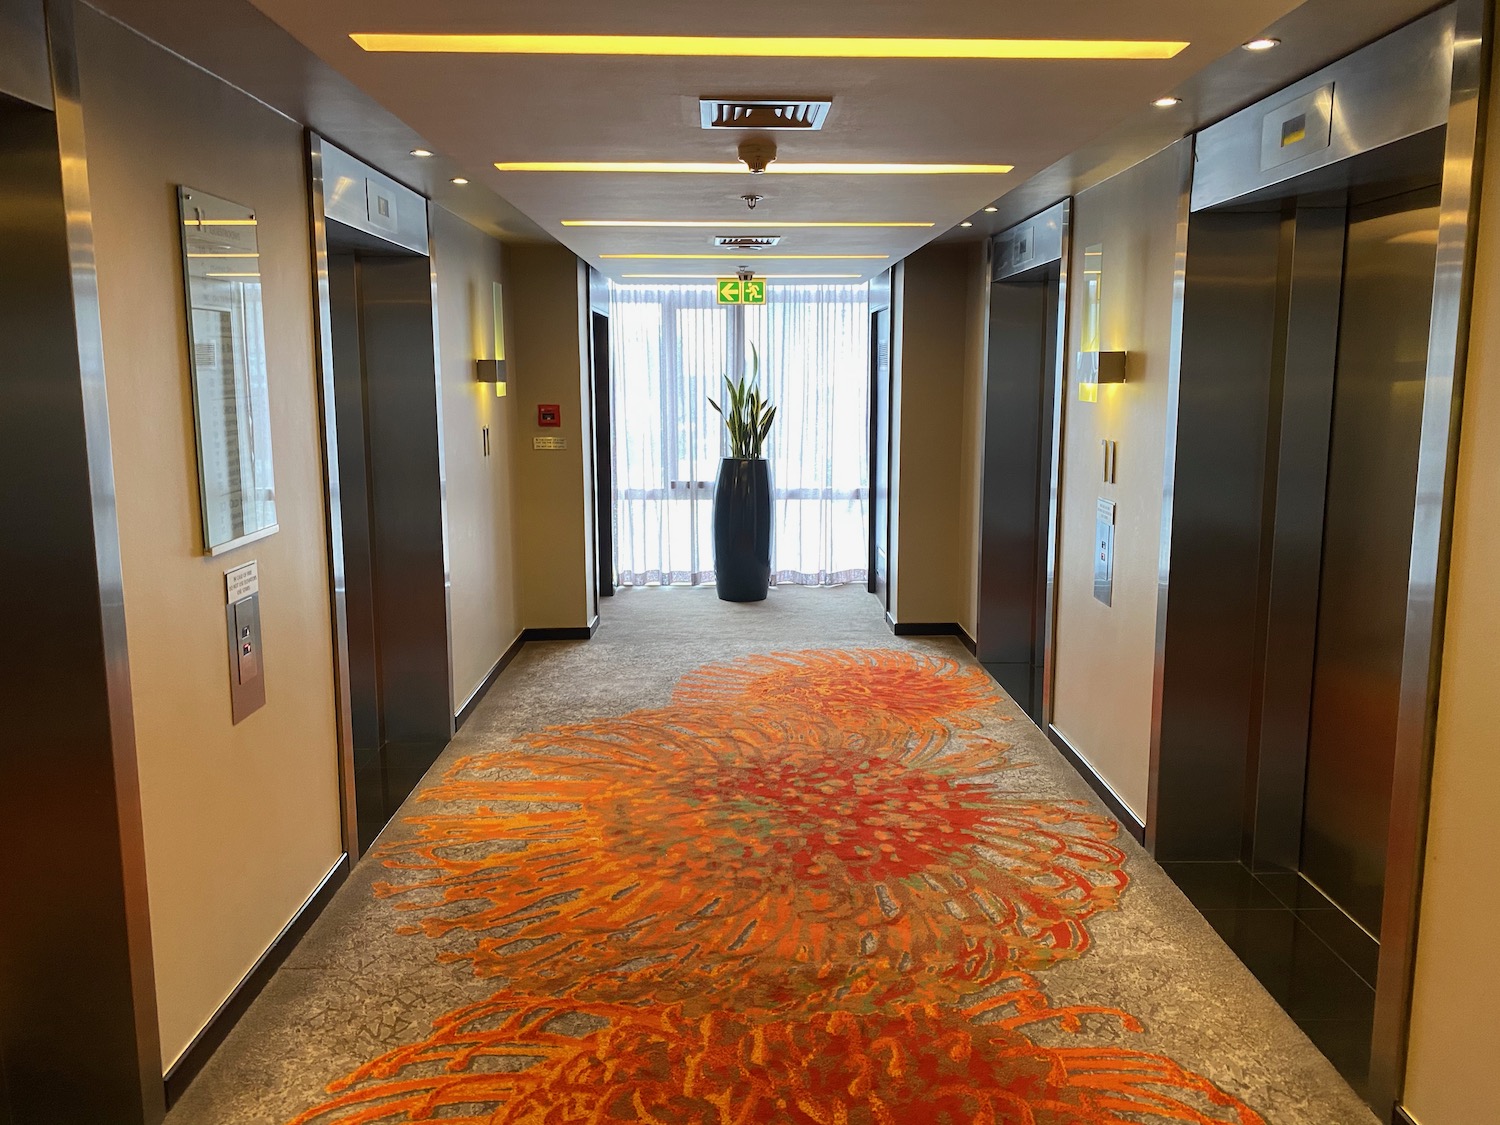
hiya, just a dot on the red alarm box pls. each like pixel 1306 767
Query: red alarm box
pixel 549 414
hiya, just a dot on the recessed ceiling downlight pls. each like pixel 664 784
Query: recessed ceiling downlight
pixel 1167 102
pixel 1262 43
pixel 421 153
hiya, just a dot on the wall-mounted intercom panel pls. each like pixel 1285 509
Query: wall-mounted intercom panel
pixel 247 684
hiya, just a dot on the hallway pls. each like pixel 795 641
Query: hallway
pixel 683 929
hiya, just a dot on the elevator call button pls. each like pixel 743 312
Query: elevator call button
pixel 247 686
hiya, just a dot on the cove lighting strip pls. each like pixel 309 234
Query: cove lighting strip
pixel 738 168
pixel 767 276
pixel 756 255
pixel 717 224
pixel 770 47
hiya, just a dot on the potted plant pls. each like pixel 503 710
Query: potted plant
pixel 742 500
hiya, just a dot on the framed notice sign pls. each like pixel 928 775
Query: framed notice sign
pixel 227 366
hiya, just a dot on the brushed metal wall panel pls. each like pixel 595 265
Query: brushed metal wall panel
pixel 1229 361
pixel 351 190
pixel 25 73
pixel 1293 554
pixel 1367 535
pixel 73 882
pixel 1395 88
pixel 406 528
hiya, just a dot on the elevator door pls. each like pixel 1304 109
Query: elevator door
pixel 390 506
pixel 1377 413
pixel 1020 400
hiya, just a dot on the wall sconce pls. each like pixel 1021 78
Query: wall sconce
pixel 1095 365
pixel 493 370
pixel 1098 367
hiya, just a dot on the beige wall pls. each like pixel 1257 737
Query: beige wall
pixel 546 291
pixel 241 822
pixel 1452 1077
pixel 1105 655
pixel 931 345
pixel 484 607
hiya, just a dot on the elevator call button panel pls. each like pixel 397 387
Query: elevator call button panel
pixel 247 685
pixel 1104 552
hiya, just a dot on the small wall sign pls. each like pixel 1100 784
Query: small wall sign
pixel 733 291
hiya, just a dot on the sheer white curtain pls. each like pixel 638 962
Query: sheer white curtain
pixel 670 347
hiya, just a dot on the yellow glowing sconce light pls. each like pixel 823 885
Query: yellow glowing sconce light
pixel 493 370
pixel 1095 365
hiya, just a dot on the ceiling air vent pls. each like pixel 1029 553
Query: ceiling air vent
pixel 775 113
pixel 747 241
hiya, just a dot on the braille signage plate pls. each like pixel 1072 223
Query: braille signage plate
pixel 241 582
pixel 549 443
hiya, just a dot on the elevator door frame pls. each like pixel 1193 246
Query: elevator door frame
pixel 1016 599
pixel 339 186
pixel 1460 32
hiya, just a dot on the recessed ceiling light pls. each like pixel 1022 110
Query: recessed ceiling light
pixel 422 152
pixel 459 180
pixel 716 223
pixel 738 168
pixel 1167 102
pixel 751 46
pixel 990 210
pixel 966 223
pixel 758 257
pixel 1263 43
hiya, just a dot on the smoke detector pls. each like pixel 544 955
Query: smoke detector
pixel 763 113
pixel 757 153
pixel 746 241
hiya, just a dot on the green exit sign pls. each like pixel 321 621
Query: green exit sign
pixel 733 291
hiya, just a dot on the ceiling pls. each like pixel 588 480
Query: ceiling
pixel 476 109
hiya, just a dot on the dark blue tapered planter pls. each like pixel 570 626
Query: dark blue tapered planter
pixel 742 530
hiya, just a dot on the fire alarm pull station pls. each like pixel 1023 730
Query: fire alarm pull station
pixel 247 686
pixel 549 414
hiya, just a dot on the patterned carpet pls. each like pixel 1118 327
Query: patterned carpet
pixel 823 885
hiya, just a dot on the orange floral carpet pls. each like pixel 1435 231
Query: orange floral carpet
pixel 797 894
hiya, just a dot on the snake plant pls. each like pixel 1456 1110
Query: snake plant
pixel 749 416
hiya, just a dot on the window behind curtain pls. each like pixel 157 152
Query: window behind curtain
pixel 671 346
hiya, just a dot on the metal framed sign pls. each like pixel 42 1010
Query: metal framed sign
pixel 733 291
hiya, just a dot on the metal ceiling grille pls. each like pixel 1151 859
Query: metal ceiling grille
pixel 747 241
pixel 775 113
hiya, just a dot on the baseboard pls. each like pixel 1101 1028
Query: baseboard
pixel 1399 1116
pixel 572 633
pixel 931 629
pixel 489 681
pixel 1101 787
pixel 207 1041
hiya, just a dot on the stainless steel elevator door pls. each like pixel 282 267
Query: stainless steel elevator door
pixel 1018 438
pixel 1377 414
